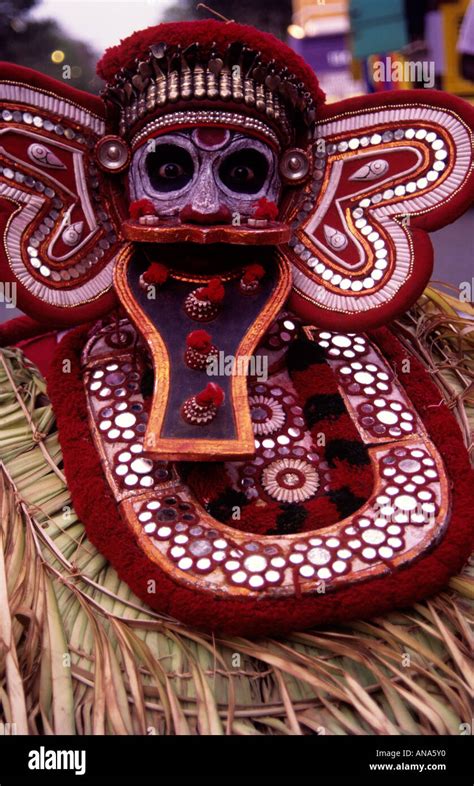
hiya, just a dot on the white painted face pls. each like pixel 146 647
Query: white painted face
pixel 208 171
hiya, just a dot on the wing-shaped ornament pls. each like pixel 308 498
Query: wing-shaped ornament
pixel 58 225
pixel 387 169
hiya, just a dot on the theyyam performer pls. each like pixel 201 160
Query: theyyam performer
pixel 219 256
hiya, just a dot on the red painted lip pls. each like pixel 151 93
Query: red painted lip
pixel 190 216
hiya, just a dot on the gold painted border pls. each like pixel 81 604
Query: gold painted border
pixel 184 448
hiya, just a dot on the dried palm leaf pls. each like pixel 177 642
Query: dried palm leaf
pixel 79 653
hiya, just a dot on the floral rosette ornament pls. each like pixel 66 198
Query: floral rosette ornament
pixel 210 206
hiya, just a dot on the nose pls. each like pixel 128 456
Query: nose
pixel 204 206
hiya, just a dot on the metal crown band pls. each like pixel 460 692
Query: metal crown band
pixel 203 117
pixel 170 75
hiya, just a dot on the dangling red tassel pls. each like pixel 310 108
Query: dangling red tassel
pixel 199 340
pixel 265 209
pixel 141 207
pixel 214 292
pixel 155 274
pixel 253 273
pixel 251 278
pixel 212 394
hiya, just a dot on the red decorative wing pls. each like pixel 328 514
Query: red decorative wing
pixel 388 168
pixel 58 226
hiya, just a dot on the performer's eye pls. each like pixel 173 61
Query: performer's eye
pixel 169 168
pixel 244 171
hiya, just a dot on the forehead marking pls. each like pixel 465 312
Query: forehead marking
pixel 210 137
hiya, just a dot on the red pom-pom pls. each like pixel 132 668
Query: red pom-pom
pixel 253 273
pixel 156 273
pixel 214 292
pixel 264 208
pixel 200 340
pixel 141 207
pixel 212 394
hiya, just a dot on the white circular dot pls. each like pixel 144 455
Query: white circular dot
pixel 373 536
pixel 296 558
pixel 255 563
pixel 324 573
pixel 369 553
pixel 344 553
pixel 387 418
pixel 405 502
pixel 278 562
pixel 125 420
pixel 272 576
pixel 141 465
pixel 319 556
pixel 363 378
pixel 341 341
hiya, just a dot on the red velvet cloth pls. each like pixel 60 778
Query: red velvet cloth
pixel 96 506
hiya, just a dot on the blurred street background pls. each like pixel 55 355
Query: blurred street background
pixel 354 46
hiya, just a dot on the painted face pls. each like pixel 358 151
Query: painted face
pixel 204 172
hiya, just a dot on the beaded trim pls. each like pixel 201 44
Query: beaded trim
pixel 203 118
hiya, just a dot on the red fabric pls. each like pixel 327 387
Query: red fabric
pixel 19 329
pixel 51 315
pixel 37 344
pixel 420 223
pixel 96 506
pixel 207 32
pixel 32 78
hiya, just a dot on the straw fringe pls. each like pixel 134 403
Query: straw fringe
pixel 80 654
